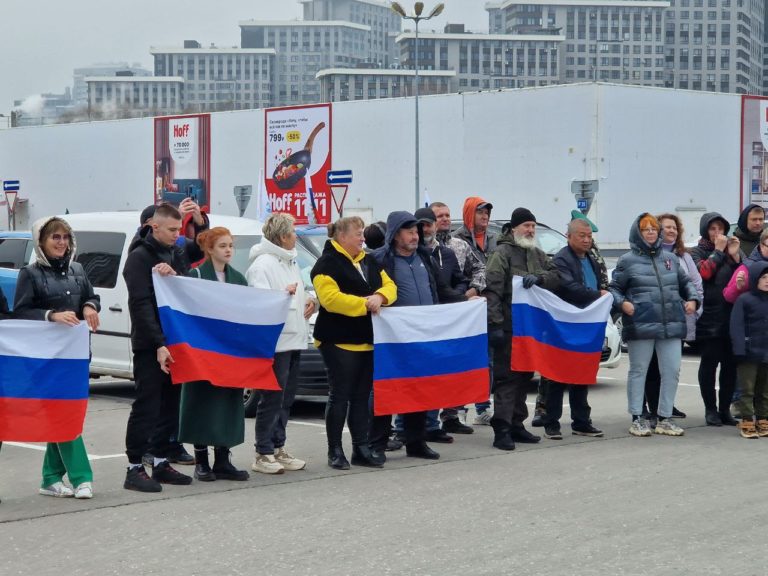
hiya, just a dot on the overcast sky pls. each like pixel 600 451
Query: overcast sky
pixel 42 41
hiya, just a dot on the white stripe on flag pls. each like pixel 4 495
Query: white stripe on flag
pixel 560 310
pixel 220 301
pixel 430 323
pixel 44 340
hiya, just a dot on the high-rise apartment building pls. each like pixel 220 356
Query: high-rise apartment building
pixel 80 88
pixel 219 78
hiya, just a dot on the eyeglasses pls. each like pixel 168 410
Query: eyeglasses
pixel 60 237
pixel 649 230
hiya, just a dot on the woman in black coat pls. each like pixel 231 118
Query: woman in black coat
pixel 55 288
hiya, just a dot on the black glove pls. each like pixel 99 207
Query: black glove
pixel 496 337
pixel 529 280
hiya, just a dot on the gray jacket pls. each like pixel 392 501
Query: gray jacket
pixel 658 286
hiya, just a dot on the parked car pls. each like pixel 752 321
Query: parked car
pixel 313 237
pixel 103 239
pixel 15 251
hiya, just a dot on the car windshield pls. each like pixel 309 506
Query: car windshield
pixel 549 240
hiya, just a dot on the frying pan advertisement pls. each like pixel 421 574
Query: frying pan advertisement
pixel 297 159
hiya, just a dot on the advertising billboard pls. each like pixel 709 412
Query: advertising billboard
pixel 297 158
pixel 754 151
pixel 183 159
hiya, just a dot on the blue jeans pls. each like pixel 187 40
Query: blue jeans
pixel 433 422
pixel 669 353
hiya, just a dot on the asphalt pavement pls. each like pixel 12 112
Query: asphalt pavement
pixel 582 506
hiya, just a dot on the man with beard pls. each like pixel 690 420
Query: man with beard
pixel 516 255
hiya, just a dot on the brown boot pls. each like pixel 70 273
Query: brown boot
pixel 762 427
pixel 747 429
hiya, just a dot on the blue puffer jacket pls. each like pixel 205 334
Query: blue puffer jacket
pixel 748 332
pixel 658 286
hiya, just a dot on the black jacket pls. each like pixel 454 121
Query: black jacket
pixel 749 335
pixel 749 240
pixel 572 288
pixel 144 254
pixel 448 269
pixel 186 250
pixel 3 306
pixel 61 287
pixel 716 269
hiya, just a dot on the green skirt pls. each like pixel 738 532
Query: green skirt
pixel 211 415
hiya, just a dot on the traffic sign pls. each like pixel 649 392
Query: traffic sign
pixel 581 203
pixel 339 177
pixel 11 185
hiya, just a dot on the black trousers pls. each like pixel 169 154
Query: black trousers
pixel 716 351
pixel 414 426
pixel 350 378
pixel 510 389
pixel 577 398
pixel 154 417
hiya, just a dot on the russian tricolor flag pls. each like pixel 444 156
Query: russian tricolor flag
pixel 43 380
pixel 557 339
pixel 430 357
pixel 223 333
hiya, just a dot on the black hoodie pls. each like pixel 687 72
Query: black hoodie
pixel 748 239
pixel 144 253
pixel 748 334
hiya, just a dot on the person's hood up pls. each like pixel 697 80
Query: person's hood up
pixel 756 255
pixel 755 271
pixel 267 247
pixel 37 227
pixel 471 205
pixel 707 219
pixel 395 221
pixel 636 241
pixel 742 223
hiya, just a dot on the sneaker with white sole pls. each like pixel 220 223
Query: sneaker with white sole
pixel 288 461
pixel 266 464
pixel 57 490
pixel 667 427
pixel 483 418
pixel 84 490
pixel 640 427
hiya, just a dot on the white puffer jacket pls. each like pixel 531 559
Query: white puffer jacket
pixel 275 268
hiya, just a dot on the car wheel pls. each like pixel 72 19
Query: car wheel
pixel 620 327
pixel 250 402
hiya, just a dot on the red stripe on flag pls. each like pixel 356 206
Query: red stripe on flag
pixel 190 365
pixel 404 395
pixel 36 420
pixel 530 355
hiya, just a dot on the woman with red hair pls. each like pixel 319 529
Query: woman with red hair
pixel 212 415
pixel 655 294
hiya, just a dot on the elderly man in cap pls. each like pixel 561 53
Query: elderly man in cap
pixel 516 255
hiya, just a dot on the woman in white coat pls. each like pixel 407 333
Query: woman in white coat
pixel 273 266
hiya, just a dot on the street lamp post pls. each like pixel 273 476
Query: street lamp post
pixel 418 8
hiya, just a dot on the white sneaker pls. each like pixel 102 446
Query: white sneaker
pixel 266 464
pixel 640 427
pixel 668 428
pixel 483 419
pixel 84 490
pixel 57 490
pixel 288 461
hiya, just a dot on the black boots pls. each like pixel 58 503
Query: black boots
pixel 203 470
pixel 712 417
pixel 363 456
pixel 501 435
pixel 421 450
pixel 336 458
pixel 726 418
pixel 223 468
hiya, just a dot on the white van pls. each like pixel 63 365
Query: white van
pixel 103 239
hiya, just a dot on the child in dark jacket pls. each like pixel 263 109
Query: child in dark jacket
pixel 749 337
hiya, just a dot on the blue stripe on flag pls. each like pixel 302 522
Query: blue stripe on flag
pixel 572 336
pixel 43 378
pixel 418 359
pixel 233 339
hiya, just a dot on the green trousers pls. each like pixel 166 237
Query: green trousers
pixel 753 385
pixel 68 458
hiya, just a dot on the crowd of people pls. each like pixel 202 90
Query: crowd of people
pixel 714 295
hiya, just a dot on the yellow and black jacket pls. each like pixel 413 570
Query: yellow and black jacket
pixel 342 284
